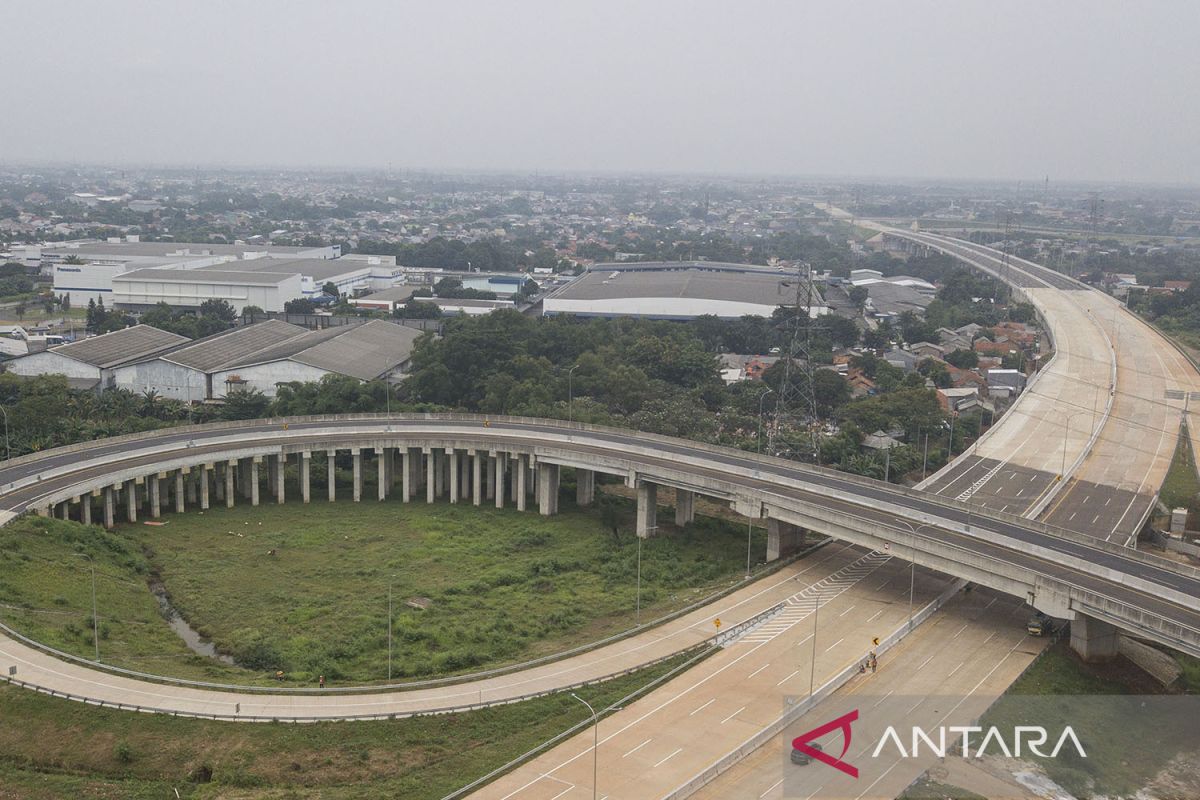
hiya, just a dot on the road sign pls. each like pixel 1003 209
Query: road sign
pixel 875 641
pixel 717 623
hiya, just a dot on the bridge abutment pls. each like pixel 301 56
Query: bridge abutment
pixel 647 509
pixel 1093 639
pixel 783 539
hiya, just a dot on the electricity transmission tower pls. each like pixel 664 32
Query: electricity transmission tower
pixel 795 431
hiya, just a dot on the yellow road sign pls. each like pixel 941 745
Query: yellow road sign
pixel 717 623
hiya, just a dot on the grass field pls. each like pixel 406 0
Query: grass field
pixel 498 585
pixel 53 748
pixel 1181 488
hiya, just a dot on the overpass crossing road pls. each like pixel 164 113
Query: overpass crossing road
pixel 1065 574
pixel 1098 431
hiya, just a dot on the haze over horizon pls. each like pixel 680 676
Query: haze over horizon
pixel 1076 91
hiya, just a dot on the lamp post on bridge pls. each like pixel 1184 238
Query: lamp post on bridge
pixel 912 562
pixel 595 742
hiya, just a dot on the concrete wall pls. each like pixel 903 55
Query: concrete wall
pixel 172 381
pixel 128 290
pixel 263 377
pixel 48 363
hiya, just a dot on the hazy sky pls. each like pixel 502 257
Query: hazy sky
pixel 1015 90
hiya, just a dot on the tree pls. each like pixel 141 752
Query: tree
pixel 415 309
pixel 963 359
pixel 843 332
pixel 858 295
pixel 245 404
pixel 301 305
pixel 330 288
pixel 218 309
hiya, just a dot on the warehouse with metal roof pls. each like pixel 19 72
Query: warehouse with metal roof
pixel 680 291
pixel 90 363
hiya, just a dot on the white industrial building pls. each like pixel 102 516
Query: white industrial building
pixel 677 290
pixel 90 363
pixel 190 288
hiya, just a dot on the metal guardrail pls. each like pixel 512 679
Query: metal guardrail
pixel 707 644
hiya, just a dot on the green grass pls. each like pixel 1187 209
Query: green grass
pixel 503 586
pixel 928 789
pixel 1181 487
pixel 52 748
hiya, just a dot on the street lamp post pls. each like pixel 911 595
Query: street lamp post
pixel 812 668
pixel 571 393
pixel 595 743
pixel 7 449
pixel 912 562
pixel 758 438
pixel 95 614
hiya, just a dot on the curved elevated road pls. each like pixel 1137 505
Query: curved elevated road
pixel 1063 573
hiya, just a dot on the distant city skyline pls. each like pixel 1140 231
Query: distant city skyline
pixel 967 91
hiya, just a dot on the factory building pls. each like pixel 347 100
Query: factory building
pixel 91 363
pixel 190 288
pixel 677 291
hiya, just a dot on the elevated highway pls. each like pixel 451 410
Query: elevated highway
pixel 469 458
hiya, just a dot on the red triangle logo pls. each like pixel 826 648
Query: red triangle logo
pixel 802 741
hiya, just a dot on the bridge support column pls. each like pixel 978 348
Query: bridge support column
pixel 244 475
pixel 522 481
pixel 1093 639
pixel 406 475
pixel 254 462
pixel 202 479
pixel 109 508
pixel 331 473
pixel 437 477
pixel 685 507
pixel 514 465
pixel 192 485
pixel 547 488
pixel 305 476
pixel 155 498
pixel 358 480
pixel 647 509
pixel 497 466
pixel 280 462
pixel 431 475
pixel 490 477
pixel 274 468
pixel 229 468
pixel 131 503
pixel 783 539
pixel 455 475
pixel 85 509
pixel 585 487
pixel 381 459
pixel 477 477
pixel 179 489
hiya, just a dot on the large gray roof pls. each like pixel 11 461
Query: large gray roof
pixel 318 269
pixel 165 249
pixel 212 352
pixel 360 351
pixel 227 274
pixel 120 347
pixel 754 285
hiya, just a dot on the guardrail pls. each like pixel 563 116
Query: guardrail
pixel 706 645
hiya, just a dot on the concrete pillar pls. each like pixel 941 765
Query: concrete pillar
pixel 358 480
pixel 244 476
pixel 477 477
pixel 490 476
pixel 783 539
pixel 274 468
pixel 85 509
pixel 585 487
pixel 192 486
pixel 305 476
pixel 254 479
pixel 464 475
pixel 381 454
pixel 685 507
pixel 280 462
pixel 431 475
pixel 547 489
pixel 497 464
pixel 219 481
pixel 514 466
pixel 331 473
pixel 1093 639
pixel 438 458
pixel 202 479
pixel 522 477
pixel 154 497
pixel 647 509
pixel 109 508
pixel 179 481
pixel 406 475
pixel 229 468
pixel 131 503
pixel 455 476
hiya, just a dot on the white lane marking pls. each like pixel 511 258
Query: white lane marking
pixel 877 615
pixel 639 747
pixel 847 611
pixel 701 708
pixel 760 669
pixel 772 788
pixel 956 669
pixel 731 716
pixel 914 708
pixel 835 644
pixel 885 697
pixel 789 677
pixel 564 791
pixel 678 750
pixel 926 661
pixel 960 630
